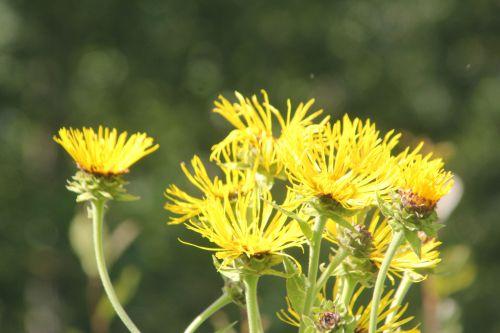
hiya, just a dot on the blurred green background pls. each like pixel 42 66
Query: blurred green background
pixel 430 67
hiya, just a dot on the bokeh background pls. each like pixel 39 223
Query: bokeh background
pixel 430 68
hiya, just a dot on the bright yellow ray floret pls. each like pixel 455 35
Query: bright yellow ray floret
pixel 258 128
pixel 362 314
pixel 187 206
pixel 422 180
pixel 404 260
pixel 347 162
pixel 245 226
pixel 104 152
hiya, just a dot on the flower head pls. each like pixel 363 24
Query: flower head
pixel 186 206
pixel 347 163
pixel 405 260
pixel 362 315
pixel 359 313
pixel 105 152
pixel 245 227
pixel 422 181
pixel 258 128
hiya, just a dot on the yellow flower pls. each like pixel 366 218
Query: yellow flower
pixel 246 226
pixel 361 314
pixel 106 152
pixel 186 206
pixel 258 128
pixel 404 260
pixel 422 181
pixel 348 163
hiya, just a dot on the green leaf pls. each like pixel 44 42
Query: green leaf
pixel 295 285
pixel 340 220
pixel 227 329
pixel 304 225
pixel 415 242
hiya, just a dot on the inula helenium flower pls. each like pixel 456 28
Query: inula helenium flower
pixel 259 127
pixel 105 152
pixel 245 226
pixel 186 206
pixel 422 181
pixel 347 163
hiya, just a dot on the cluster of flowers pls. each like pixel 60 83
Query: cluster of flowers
pixel 346 183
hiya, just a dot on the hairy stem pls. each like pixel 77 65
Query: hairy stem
pixel 379 284
pixel 312 274
pixel 348 287
pixel 403 288
pixel 219 303
pixel 98 220
pixel 253 313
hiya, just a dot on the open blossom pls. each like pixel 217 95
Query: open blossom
pixel 186 206
pixel 105 152
pixel 422 180
pixel 246 225
pixel 258 129
pixel 348 163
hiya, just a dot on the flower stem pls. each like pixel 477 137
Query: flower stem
pixel 337 260
pixel 219 303
pixel 254 322
pixel 403 288
pixel 312 274
pixel 348 286
pixel 379 284
pixel 98 218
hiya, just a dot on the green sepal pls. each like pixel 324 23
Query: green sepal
pixel 339 220
pixel 95 187
pixel 414 241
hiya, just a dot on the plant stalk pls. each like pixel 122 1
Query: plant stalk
pixel 219 303
pixel 379 284
pixel 337 260
pixel 253 313
pixel 98 220
pixel 404 286
pixel 348 287
pixel 312 274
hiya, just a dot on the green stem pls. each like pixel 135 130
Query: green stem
pixel 403 288
pixel 312 274
pixel 379 284
pixel 98 218
pixel 348 287
pixel 221 302
pixel 337 260
pixel 253 313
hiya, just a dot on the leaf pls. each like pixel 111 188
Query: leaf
pixel 227 329
pixel 415 242
pixel 295 285
pixel 304 225
pixel 340 221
